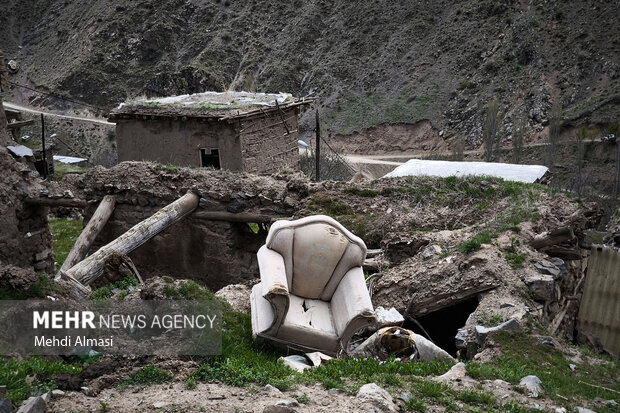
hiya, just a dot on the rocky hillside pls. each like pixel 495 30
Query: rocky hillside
pixel 370 63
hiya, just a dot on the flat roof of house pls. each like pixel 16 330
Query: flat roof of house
pixel 214 105
pixel 507 171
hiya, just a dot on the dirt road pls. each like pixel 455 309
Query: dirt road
pixel 31 110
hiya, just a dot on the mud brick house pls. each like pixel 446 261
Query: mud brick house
pixel 239 131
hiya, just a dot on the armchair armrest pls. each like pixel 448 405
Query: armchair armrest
pixel 274 287
pixel 351 306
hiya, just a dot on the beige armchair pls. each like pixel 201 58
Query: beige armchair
pixel 312 295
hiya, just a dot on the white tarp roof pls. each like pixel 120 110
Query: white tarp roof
pixel 507 171
pixel 68 159
pixel 20 150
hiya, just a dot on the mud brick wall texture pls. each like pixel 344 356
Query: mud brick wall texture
pixel 25 239
pixel 268 145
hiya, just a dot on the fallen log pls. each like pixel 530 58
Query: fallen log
pixel 89 233
pixel 555 237
pixel 57 202
pixel 92 267
pixel 230 217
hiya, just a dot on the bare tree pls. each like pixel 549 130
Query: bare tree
pixel 489 130
pixel 518 136
pixel 458 149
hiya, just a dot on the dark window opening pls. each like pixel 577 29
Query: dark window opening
pixel 210 157
pixel 442 325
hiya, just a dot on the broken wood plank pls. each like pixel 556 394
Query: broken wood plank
pixel 89 233
pixel 92 267
pixel 57 202
pixel 240 217
pixel 440 301
pixel 20 124
pixel 557 236
pixel 74 288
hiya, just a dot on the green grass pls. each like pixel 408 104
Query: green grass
pixel 329 206
pixel 150 374
pixel 105 292
pixel 515 260
pixel 474 244
pixel 15 375
pixel 188 290
pixel 62 169
pixel 64 232
pixel 523 355
pixel 43 288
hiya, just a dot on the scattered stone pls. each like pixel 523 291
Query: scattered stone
pixel 430 251
pixel 584 410
pixel 296 363
pixel 6 406
pixel 287 403
pixel 270 389
pixel 560 410
pixel 456 373
pixel 33 405
pixel 160 405
pixel 542 286
pixel 501 384
pixel 238 296
pixel 482 332
pixel 532 385
pixel 389 317
pixel 377 396
pixel 335 392
pixel 278 409
pixel 572 367
pixel 506 305
pixel 57 393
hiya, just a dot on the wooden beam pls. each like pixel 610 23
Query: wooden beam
pixel 89 233
pixel 92 267
pixel 20 124
pixel 555 237
pixel 230 217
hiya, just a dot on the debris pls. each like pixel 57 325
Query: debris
pixel 532 385
pixel 278 409
pixel 377 396
pixel 6 406
pixel 542 287
pixel 456 373
pixel 33 405
pixel 388 341
pixel 288 403
pixel 20 150
pixel 296 363
pixel 317 358
pixel 430 251
pixel 429 351
pixel 271 389
pixel 386 318
pixel 482 332
pixel 238 296
pixel 57 393
pixel 160 405
pixel 583 410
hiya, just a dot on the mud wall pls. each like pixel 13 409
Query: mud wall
pixel 25 239
pixel 177 142
pixel 215 253
pixel 269 143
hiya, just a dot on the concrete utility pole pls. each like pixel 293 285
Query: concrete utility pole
pixel 317 150
pixel 5 139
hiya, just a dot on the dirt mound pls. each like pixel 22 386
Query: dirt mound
pixel 392 139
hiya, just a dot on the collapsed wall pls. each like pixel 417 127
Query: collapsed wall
pixel 25 239
pixel 213 251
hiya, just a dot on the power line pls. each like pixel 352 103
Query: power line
pixel 56 96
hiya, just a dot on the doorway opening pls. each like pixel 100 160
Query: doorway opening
pixel 442 325
pixel 210 158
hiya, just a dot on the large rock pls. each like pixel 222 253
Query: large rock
pixel 457 373
pixel 6 406
pixel 482 332
pixel 532 386
pixel 377 397
pixel 542 287
pixel 33 405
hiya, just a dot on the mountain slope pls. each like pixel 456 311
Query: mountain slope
pixel 369 62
